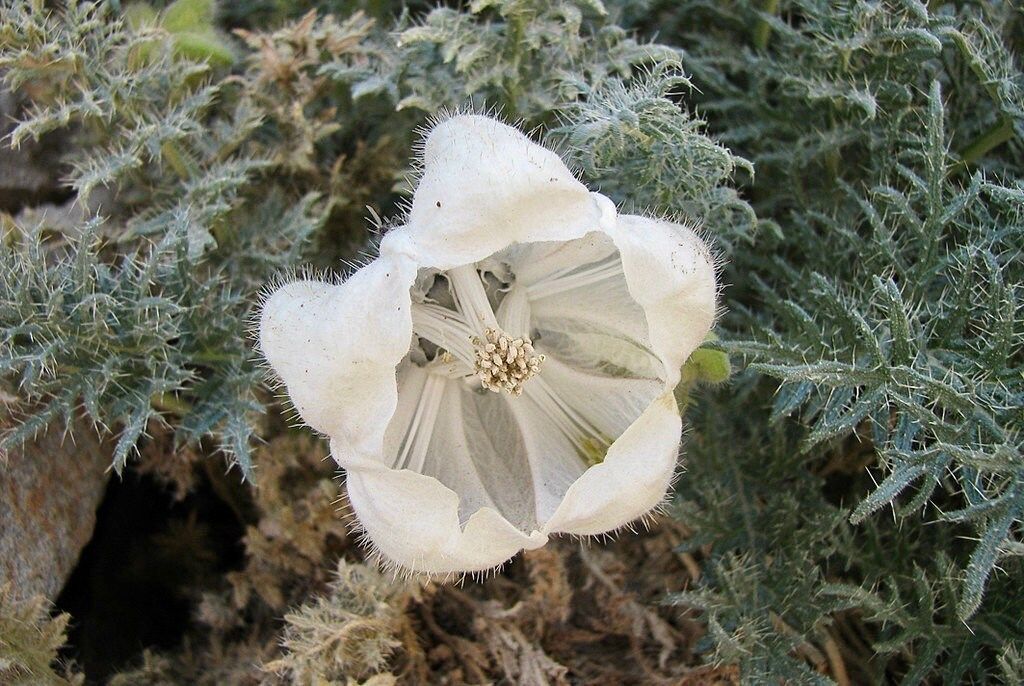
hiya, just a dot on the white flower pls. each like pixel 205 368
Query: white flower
pixel 504 370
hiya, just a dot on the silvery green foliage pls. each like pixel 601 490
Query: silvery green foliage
pixel 787 576
pixel 152 335
pixel 138 314
pixel 527 58
pixel 625 137
pixel 884 293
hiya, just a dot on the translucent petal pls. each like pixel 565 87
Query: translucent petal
pixel 473 444
pixel 585 346
pixel 480 454
pixel 533 263
pixel 608 403
pixel 632 479
pixel 583 309
pixel 556 455
pixel 514 312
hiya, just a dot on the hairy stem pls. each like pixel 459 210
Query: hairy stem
pixel 762 29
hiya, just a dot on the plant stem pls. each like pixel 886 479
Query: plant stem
pixel 763 30
pixel 166 402
pixel 996 135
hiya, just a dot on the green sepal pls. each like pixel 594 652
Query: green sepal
pixel 188 16
pixel 707 366
pixel 704 367
pixel 205 45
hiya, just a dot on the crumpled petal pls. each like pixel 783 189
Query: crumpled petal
pixel 609 403
pixel 582 307
pixel 553 457
pixel 485 186
pixel 336 348
pixel 413 521
pixel 534 263
pixel 485 445
pixel 671 275
pixel 632 480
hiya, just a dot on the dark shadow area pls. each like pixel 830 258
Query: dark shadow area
pixel 139 577
pixel 30 175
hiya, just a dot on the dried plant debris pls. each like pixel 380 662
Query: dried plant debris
pixel 29 641
pixel 351 632
pixel 305 609
pixel 562 615
pixel 301 530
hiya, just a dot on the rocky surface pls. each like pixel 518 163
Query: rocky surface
pixel 49 492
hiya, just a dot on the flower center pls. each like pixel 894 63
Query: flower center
pixel 472 340
pixel 503 363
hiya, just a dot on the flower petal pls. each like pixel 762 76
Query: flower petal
pixel 514 312
pixel 535 263
pixel 633 478
pixel 485 186
pixel 555 458
pixel 413 520
pixel 336 348
pixel 608 403
pixel 582 307
pixel 486 448
pixel 670 273
pixel 472 446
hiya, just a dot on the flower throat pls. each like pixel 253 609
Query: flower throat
pixel 479 345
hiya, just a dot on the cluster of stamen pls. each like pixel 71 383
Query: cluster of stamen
pixel 503 363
